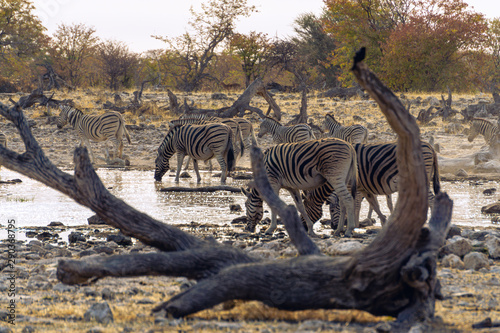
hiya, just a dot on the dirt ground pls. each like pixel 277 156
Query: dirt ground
pixel 48 306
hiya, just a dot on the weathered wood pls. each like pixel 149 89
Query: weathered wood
pixel 301 118
pixel 201 189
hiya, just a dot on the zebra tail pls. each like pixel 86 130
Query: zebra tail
pixel 353 176
pixel 435 178
pixel 127 135
pixel 230 155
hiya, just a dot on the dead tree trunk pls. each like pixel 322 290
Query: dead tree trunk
pixel 395 275
pixel 301 118
pixel 54 79
pixel 241 105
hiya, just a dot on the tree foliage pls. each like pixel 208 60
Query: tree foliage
pixel 195 51
pixel 252 51
pixel 116 62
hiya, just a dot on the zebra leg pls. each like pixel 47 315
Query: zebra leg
pixel 197 170
pixel 180 159
pixel 372 200
pixel 187 163
pixel 274 218
pixel 389 201
pixel 347 201
pixel 223 167
pixel 302 210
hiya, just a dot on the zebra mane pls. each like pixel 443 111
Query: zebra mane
pixel 329 115
pixel 482 120
pixel 272 120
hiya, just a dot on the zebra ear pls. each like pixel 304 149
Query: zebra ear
pixel 171 125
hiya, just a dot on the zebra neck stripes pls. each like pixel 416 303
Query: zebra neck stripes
pixel 352 134
pixel 285 134
pixel 485 128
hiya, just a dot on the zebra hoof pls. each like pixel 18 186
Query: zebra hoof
pixel 348 233
pixel 337 233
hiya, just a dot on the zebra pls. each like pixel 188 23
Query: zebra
pixel 306 166
pixel 486 128
pixel 352 134
pixel 285 134
pixel 377 175
pixel 235 128
pixel 246 127
pixel 109 125
pixel 201 142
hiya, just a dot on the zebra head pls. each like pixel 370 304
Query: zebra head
pixel 474 131
pixel 266 126
pixel 63 116
pixel 330 122
pixel 165 151
pixel 254 208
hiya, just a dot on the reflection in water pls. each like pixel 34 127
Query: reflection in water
pixel 33 204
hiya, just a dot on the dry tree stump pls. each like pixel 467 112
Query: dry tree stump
pixel 395 275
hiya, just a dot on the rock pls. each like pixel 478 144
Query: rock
pixel 185 174
pixel 493 246
pixel 28 329
pixel 235 208
pixel 85 253
pixel 63 288
pixel 104 249
pixel 482 157
pixel 219 96
pixel 76 236
pixel 100 312
pixel 344 248
pixel 95 220
pixel 56 224
pixel 476 261
pixel 462 173
pixel 493 208
pixel 454 231
pixel 107 294
pixel 33 256
pixel 458 246
pixel 5 330
pixel 453 261
pixel 120 239
pixel 490 191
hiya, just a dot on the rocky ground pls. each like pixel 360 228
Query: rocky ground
pixel 469 266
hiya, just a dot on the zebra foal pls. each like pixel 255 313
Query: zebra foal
pixel 484 127
pixel 108 126
pixel 306 166
pixel 200 142
pixel 285 134
pixel 352 134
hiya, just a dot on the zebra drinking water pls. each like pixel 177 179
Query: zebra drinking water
pixel 306 166
pixel 352 134
pixel 108 126
pixel 200 142
pixel 285 134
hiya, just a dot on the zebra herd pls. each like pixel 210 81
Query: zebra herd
pixel 339 170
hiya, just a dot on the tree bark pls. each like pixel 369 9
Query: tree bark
pixel 301 118
pixel 394 275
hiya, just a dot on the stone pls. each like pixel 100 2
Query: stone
pixel 454 231
pixel 107 294
pixel 95 220
pixel 493 208
pixel 119 239
pixel 462 173
pixel 458 246
pixel 453 261
pixel 56 224
pixel 492 244
pixel 344 248
pixel 63 288
pixel 235 208
pixel 100 312
pixel 76 236
pixel 476 261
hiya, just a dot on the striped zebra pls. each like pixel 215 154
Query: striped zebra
pixel 285 134
pixel 352 134
pixel 306 166
pixel 235 128
pixel 377 175
pixel 485 128
pixel 200 142
pixel 108 126
pixel 246 127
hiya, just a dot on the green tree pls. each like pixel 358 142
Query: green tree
pixel 22 39
pixel 73 48
pixel 252 51
pixel 196 50
pixel 316 46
